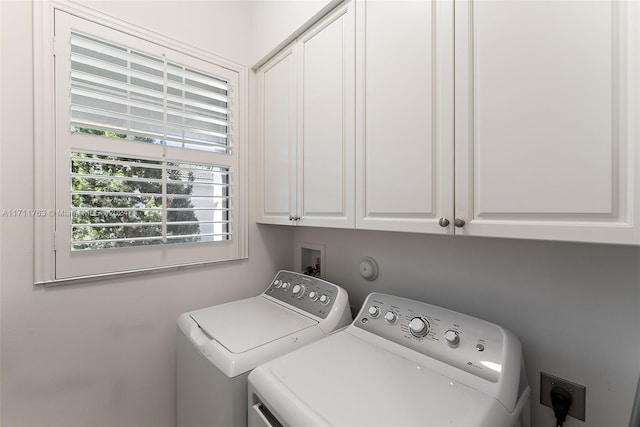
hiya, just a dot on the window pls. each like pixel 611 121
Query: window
pixel 119 202
pixel 148 145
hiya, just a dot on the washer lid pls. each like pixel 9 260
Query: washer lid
pixel 355 383
pixel 243 325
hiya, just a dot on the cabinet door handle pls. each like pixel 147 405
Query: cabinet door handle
pixel 443 222
pixel 291 218
pixel 458 222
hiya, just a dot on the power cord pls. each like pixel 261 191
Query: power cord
pixel 561 401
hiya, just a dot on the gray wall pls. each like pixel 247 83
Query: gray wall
pixel 575 307
pixel 102 354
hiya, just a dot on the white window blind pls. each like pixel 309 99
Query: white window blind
pixel 121 202
pixel 119 90
pixel 148 147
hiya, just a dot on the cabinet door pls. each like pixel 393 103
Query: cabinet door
pixel 276 125
pixel 326 145
pixel 547 119
pixel 405 115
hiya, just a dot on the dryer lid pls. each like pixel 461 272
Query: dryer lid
pixel 243 325
pixel 359 384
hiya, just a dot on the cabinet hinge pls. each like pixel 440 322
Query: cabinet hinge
pixel 54 45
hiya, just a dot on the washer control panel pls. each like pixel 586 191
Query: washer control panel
pixel 468 343
pixel 313 295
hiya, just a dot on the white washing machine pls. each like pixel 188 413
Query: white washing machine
pixel 218 346
pixel 400 363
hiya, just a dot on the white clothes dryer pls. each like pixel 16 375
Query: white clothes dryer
pixel 400 363
pixel 218 346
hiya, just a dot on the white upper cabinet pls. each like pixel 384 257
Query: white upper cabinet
pixel 306 126
pixel 404 115
pixel 516 119
pixel 546 114
pixel 276 120
pixel 326 114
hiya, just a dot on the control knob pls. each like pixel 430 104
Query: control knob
pixel 391 317
pixel 298 291
pixel 286 286
pixel 277 283
pixel 324 300
pixel 452 338
pixel 313 296
pixel 374 311
pixel 419 327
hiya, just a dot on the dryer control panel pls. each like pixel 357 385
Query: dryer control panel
pixel 468 343
pixel 313 295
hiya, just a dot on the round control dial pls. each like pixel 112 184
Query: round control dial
pixel 374 311
pixel 324 300
pixel 313 296
pixel 391 317
pixel 277 283
pixel 419 327
pixel 286 286
pixel 298 291
pixel 452 338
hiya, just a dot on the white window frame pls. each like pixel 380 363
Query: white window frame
pixel 54 261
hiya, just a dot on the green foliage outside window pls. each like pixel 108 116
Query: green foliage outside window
pixel 136 213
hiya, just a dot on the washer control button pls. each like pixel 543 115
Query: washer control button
pixel 313 296
pixel 298 291
pixel 452 338
pixel 286 286
pixel 419 327
pixel 324 300
pixel 277 283
pixel 391 317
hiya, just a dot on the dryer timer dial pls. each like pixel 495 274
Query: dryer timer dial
pixel 419 327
